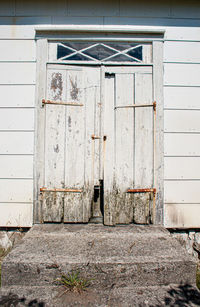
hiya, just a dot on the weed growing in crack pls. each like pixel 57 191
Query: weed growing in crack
pixel 73 282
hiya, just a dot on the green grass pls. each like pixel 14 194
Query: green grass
pixel 73 282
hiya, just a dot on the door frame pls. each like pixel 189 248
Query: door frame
pixel 46 34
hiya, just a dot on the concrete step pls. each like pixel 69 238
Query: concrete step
pixel 123 255
pixel 152 296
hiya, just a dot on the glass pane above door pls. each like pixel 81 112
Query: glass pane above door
pixel 103 52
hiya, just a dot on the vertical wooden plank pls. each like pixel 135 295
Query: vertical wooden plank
pixel 93 105
pixel 54 146
pixel 143 146
pixel 159 135
pixel 109 150
pixel 42 56
pixel 74 153
pixel 124 147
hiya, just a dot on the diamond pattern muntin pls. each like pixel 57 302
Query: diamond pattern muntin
pixel 88 51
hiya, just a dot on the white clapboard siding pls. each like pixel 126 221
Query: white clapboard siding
pixel 96 8
pixel 182 215
pixel 185 9
pixel 16 142
pixel 182 168
pixel 176 144
pixel 144 9
pixel 7 8
pixel 165 23
pixel 182 52
pixel 15 190
pixel 79 20
pixel 186 191
pixel 16 119
pixel 182 74
pixel 182 121
pixel 182 97
pixel 12 166
pixel 17 50
pixel 17 96
pixel 40 8
pixel 183 33
pixel 17 32
pixel 16 215
pixel 17 73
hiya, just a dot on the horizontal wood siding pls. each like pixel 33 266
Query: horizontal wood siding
pixel 16 166
pixel 186 168
pixel 17 73
pixel 181 126
pixel 186 52
pixel 179 97
pixel 182 191
pixel 181 94
pixel 17 119
pixel 182 121
pixel 17 88
pixel 16 214
pixel 15 190
pixel 182 215
pixel 17 50
pixel 12 96
pixel 16 142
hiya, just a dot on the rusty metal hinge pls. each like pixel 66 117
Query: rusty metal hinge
pixel 146 190
pixel 138 106
pixel 64 103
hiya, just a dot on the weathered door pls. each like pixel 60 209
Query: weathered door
pixel 128 144
pixel 98 128
pixel 71 157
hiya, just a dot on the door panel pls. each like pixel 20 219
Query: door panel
pixel 71 161
pixel 54 146
pixel 143 147
pixel 129 145
pixel 84 144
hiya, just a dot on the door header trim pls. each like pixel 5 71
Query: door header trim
pixel 101 29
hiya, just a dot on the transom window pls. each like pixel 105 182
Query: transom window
pixel 117 52
pixel 100 52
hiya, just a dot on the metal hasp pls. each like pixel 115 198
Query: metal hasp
pixel 63 103
pixel 61 190
pixel 95 137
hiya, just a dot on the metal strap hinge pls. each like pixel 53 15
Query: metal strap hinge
pixel 70 103
pixel 138 106
pixel 147 190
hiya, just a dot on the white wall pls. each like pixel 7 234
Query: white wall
pixel 181 95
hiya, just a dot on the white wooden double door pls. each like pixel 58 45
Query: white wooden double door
pixel 93 132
